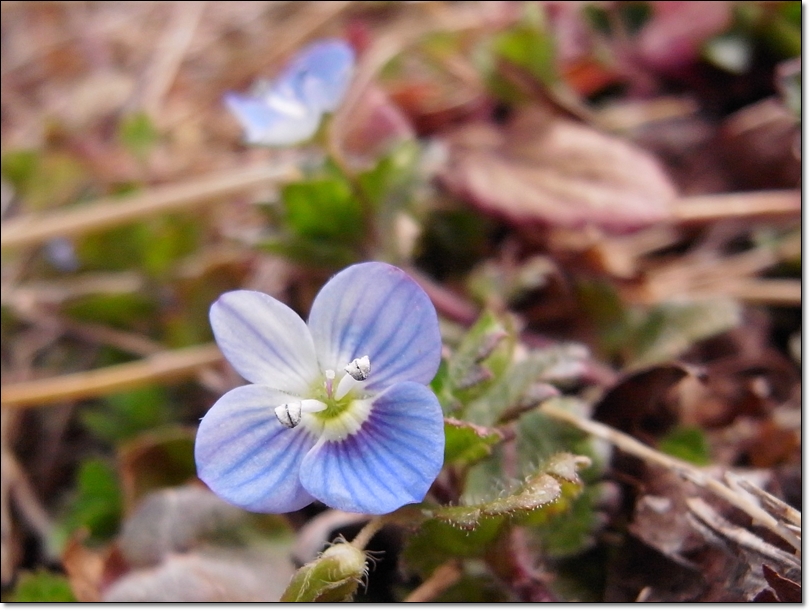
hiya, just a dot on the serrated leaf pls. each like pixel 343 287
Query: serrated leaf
pixel 467 443
pixel 467 530
pixel 43 586
pixel 514 387
pixel 482 355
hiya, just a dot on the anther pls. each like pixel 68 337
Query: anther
pixel 359 368
pixel 289 414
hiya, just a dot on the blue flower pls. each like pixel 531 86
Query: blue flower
pixel 337 409
pixel 289 110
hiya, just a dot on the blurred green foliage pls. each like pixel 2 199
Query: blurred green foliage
pixel 42 586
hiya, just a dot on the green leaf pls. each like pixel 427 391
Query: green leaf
pixel 129 311
pixel 96 505
pixel 123 415
pixel 687 443
pixel 44 180
pixel 531 48
pixel 482 356
pixel 466 530
pixel 388 184
pixel 540 437
pixel 670 329
pixel 323 208
pixel 571 532
pixel 466 443
pixel 43 586
pixel 332 577
pixel 137 134
pixel 522 385
pixel 327 253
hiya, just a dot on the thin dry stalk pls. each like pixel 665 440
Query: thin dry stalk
pixel 108 212
pixel 171 365
pixel 442 578
pixel 683 469
pixel 709 208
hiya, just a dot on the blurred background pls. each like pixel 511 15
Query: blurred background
pixel 623 177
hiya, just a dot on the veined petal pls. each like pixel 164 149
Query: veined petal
pixel 274 120
pixel 265 341
pixel 247 457
pixel 321 73
pixel 376 309
pixel 391 461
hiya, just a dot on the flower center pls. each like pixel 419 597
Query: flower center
pixel 334 412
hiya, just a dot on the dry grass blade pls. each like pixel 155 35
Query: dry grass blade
pixel 441 579
pixel 707 208
pixel 774 505
pixel 737 534
pixel 108 212
pixel 165 366
pixel 683 469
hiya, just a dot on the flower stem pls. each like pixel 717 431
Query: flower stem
pixel 367 532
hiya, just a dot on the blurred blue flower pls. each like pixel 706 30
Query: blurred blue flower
pixel 337 409
pixel 289 109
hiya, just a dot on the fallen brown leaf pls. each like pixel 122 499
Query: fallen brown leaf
pixel 546 170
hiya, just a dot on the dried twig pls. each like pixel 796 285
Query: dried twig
pixel 164 366
pixel 737 534
pixel 707 208
pixel 108 212
pixel 690 473
pixel 442 578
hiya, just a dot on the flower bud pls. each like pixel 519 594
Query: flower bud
pixel 332 577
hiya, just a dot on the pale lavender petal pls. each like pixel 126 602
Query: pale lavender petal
pixel 321 73
pixel 247 457
pixel 390 462
pixel 265 341
pixel 376 309
pixel 274 119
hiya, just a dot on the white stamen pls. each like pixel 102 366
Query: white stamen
pixel 346 383
pixel 289 414
pixel 330 378
pixel 359 368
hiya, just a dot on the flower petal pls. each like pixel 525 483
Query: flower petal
pixel 265 341
pixel 247 457
pixel 391 461
pixel 273 119
pixel 322 73
pixel 376 309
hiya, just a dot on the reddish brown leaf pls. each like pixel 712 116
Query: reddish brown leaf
pixel 787 590
pixel 551 171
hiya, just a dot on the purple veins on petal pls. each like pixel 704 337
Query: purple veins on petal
pixel 390 462
pixel 265 341
pixel 247 457
pixel 376 309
